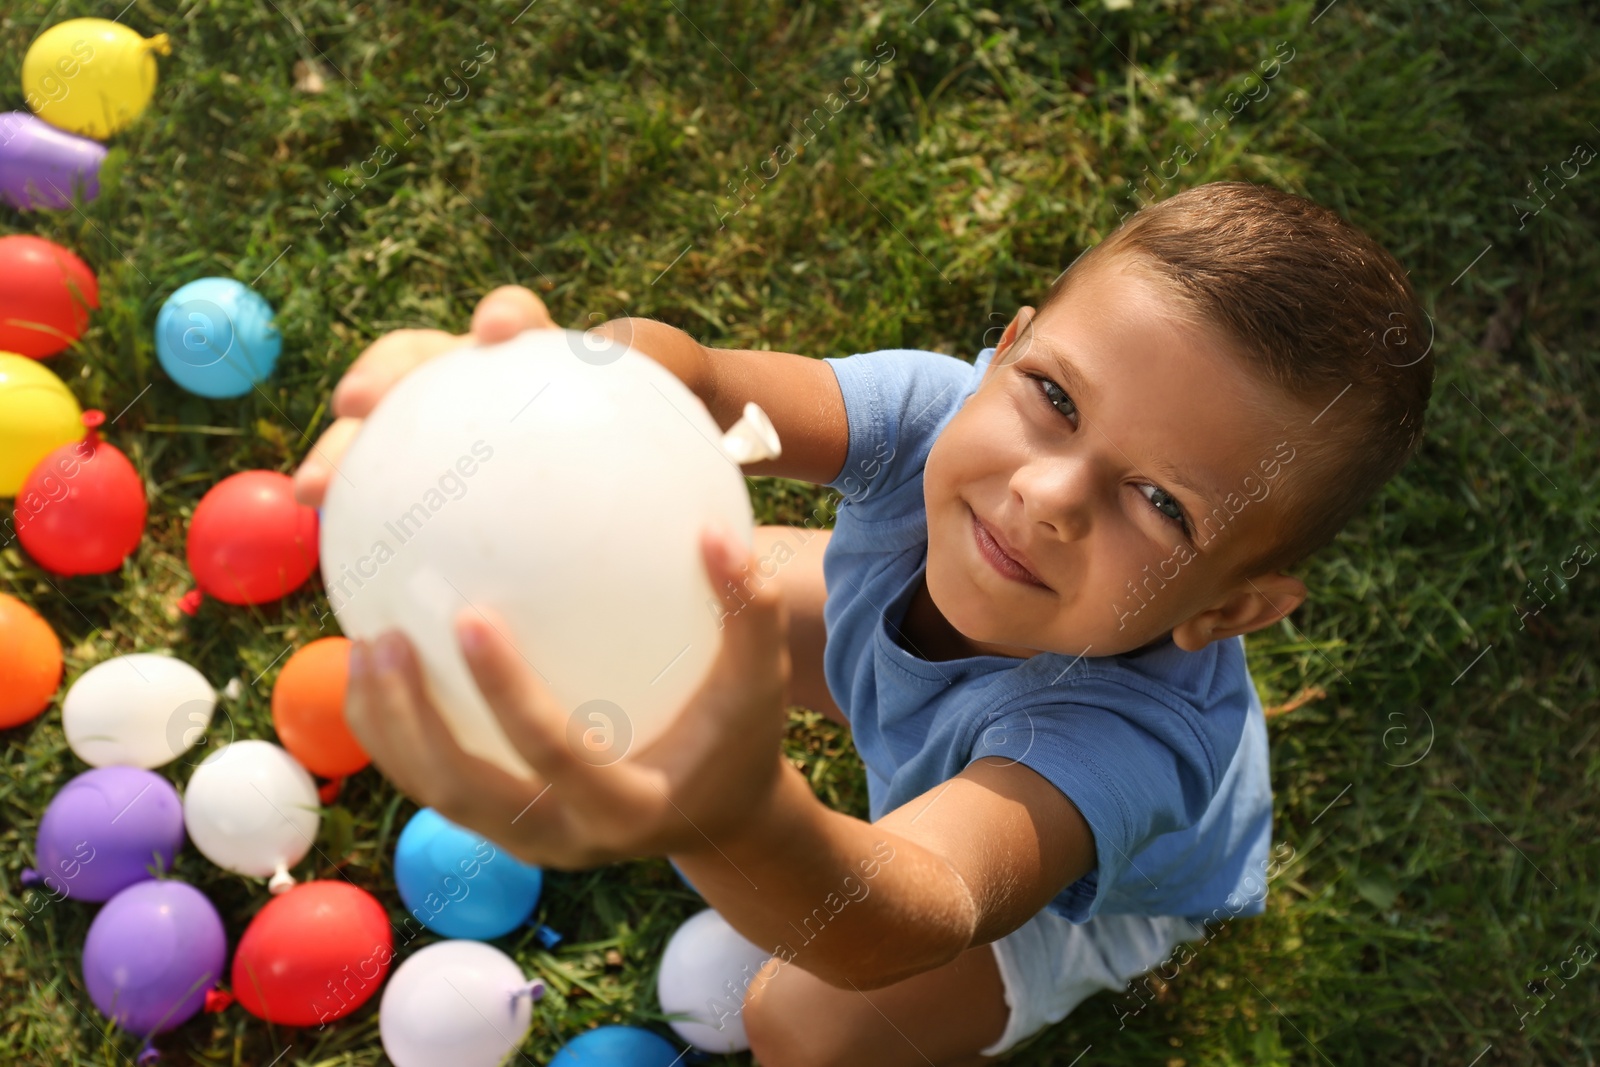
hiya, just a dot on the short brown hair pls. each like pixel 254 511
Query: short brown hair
pixel 1315 308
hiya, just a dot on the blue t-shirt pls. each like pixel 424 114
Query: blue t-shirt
pixel 1163 751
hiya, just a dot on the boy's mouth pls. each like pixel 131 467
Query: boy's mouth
pixel 1000 556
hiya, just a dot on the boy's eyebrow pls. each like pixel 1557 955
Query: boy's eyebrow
pixel 1077 386
pixel 1075 383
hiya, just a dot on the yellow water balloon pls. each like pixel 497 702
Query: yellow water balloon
pixel 91 76
pixel 38 415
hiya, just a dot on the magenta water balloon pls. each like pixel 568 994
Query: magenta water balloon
pixel 107 829
pixel 41 166
pixel 152 954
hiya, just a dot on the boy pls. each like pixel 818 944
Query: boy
pixel 1029 613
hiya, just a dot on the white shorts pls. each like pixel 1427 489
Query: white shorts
pixel 1049 965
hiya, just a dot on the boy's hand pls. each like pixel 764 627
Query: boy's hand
pixel 703 780
pixel 499 316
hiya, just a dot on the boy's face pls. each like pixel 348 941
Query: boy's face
pixel 1083 480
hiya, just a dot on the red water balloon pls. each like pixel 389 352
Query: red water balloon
pixel 313 954
pixel 82 508
pixel 250 541
pixel 46 294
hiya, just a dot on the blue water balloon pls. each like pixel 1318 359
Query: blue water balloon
pixel 617 1046
pixel 216 337
pixel 459 884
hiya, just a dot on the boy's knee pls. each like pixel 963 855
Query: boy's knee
pixel 782 1023
pixel 766 1023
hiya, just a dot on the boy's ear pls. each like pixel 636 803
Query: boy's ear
pixel 1016 328
pixel 1260 602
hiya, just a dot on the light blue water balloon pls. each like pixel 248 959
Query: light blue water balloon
pixel 216 337
pixel 459 884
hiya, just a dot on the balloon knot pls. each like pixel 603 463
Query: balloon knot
pixel 30 877
pixel 189 604
pixel 160 43
pixel 218 1000
pixel 533 990
pixel 281 883
pixel 328 792
pixel 547 937
pixel 92 421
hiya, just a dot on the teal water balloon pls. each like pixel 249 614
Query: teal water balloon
pixel 459 884
pixel 216 337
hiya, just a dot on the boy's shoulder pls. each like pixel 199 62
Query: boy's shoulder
pixel 1162 749
pixel 1195 701
pixel 1200 680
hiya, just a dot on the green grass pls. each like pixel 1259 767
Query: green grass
pixel 589 160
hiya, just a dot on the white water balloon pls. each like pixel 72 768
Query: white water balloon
pixel 251 808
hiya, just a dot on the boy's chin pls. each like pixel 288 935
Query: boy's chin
pixel 988 624
pixel 1010 633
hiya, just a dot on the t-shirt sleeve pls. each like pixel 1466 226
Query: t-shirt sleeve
pixel 1136 769
pixel 896 401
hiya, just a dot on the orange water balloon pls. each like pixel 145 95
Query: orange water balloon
pixel 30 663
pixel 308 709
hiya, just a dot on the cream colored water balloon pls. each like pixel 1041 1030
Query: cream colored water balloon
pixel 138 710
pixel 563 481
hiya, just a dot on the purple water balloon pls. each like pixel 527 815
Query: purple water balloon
pixel 152 954
pixel 107 829
pixel 40 166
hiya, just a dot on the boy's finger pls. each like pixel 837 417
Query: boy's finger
pixel 540 729
pixel 385 361
pixel 506 312
pixel 527 711
pixel 490 792
pixel 321 463
pixel 754 624
pixel 369 720
pixel 311 482
pixel 421 748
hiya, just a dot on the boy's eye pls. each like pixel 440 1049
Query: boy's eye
pixel 1054 395
pixel 1162 499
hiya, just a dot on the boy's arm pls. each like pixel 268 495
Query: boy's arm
pixel 799 394
pixel 864 905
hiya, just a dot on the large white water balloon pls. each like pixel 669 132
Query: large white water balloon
pixel 464 1003
pixel 251 808
pixel 705 971
pixel 562 480
pixel 140 710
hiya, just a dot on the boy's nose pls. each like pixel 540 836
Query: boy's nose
pixel 1058 492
